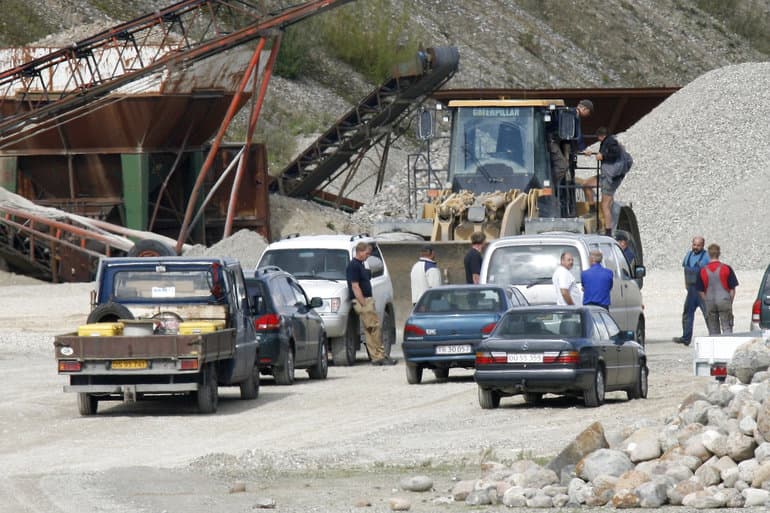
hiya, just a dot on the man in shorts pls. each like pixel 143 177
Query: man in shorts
pixel 615 164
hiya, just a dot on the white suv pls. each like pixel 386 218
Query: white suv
pixel 319 263
pixel 528 262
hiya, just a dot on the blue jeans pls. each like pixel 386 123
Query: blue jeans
pixel 691 303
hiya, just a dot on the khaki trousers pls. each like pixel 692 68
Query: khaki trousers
pixel 372 333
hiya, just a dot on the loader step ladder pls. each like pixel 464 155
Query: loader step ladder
pixel 367 124
pixel 183 33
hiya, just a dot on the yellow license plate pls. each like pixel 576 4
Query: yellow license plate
pixel 129 364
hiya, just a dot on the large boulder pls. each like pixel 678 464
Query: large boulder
pixel 603 461
pixel 748 359
pixel 591 439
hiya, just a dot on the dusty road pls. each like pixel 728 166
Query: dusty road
pixel 313 446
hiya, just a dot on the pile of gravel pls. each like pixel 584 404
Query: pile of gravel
pixel 245 245
pixel 701 166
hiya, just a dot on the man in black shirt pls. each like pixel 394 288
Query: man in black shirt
pixel 360 289
pixel 473 258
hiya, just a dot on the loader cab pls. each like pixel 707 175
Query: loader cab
pixel 497 145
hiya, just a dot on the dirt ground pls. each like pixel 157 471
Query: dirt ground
pixel 333 445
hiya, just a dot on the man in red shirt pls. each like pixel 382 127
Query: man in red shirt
pixel 716 285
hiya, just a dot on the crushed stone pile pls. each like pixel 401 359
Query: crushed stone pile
pixel 701 167
pixel 244 245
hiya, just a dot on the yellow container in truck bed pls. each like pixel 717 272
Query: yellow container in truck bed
pixel 199 327
pixel 100 329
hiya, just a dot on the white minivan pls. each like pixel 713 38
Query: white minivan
pixel 529 261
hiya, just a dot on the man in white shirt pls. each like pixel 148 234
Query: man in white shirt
pixel 567 289
pixel 425 273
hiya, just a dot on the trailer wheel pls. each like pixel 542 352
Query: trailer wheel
pixel 87 404
pixel 151 248
pixel 207 395
pixel 109 312
pixel 250 387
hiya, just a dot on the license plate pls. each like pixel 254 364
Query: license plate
pixel 525 357
pixel 458 349
pixel 129 364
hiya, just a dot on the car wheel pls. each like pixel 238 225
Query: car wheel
pixel 441 374
pixel 250 386
pixel 344 347
pixel 594 395
pixel 532 397
pixel 207 395
pixel 284 373
pixel 640 332
pixel 639 391
pixel 489 399
pixel 87 404
pixel 388 332
pixel 321 368
pixel 413 374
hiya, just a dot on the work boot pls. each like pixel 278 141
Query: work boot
pixel 385 361
pixel 680 340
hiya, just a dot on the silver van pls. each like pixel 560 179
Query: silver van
pixel 529 261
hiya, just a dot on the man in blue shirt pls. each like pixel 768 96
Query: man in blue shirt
pixel 693 262
pixel 597 282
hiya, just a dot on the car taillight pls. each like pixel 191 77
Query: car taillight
pixel 267 322
pixel 755 311
pixel 414 330
pixel 561 357
pixel 69 366
pixel 719 370
pixel 488 358
pixel 188 364
pixel 486 330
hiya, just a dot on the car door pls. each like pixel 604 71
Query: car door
pixel 309 320
pixel 286 302
pixel 624 351
pixel 298 305
pixel 629 287
pixel 381 287
pixel 246 337
pixel 604 346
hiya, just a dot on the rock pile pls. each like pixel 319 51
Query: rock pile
pixel 713 453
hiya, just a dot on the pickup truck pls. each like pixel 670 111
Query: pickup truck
pixel 163 326
pixel 712 353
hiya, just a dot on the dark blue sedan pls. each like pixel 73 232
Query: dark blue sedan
pixel 447 324
pixel 565 350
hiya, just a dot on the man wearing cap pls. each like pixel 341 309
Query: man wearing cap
pixel 425 273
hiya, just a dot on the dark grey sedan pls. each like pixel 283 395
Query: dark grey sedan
pixel 565 350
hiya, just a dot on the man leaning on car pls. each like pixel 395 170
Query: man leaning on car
pixel 360 289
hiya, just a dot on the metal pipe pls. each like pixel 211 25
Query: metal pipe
pixel 236 160
pixel 257 107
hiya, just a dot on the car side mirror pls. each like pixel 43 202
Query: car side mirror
pixel 640 271
pixel 316 302
pixel 375 265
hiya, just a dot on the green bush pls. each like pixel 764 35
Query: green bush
pixel 748 18
pixel 294 56
pixel 371 36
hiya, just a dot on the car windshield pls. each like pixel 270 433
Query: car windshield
pixel 528 265
pixel 309 263
pixel 466 300
pixel 538 324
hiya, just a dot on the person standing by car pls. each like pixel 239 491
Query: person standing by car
pixel 622 239
pixel 567 289
pixel 694 260
pixel 597 282
pixel 473 258
pixel 716 286
pixel 425 273
pixel 360 289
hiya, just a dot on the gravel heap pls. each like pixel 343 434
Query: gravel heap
pixel 245 245
pixel 700 167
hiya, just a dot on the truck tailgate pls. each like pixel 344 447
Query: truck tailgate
pixel 717 350
pixel 207 347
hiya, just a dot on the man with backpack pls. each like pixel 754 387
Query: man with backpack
pixel 615 163
pixel 716 285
